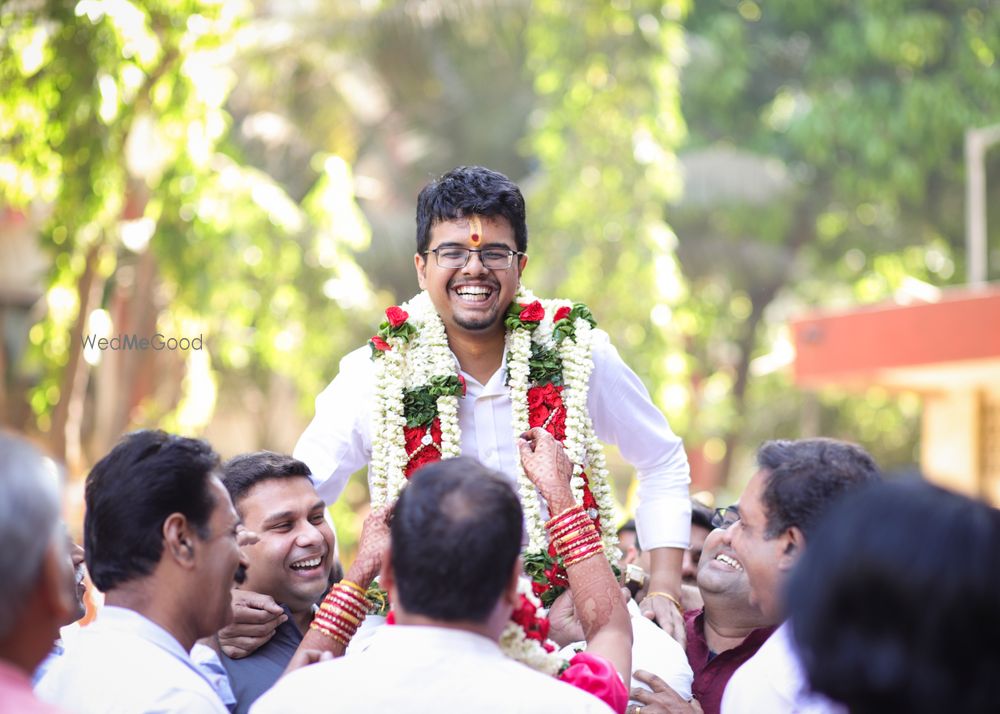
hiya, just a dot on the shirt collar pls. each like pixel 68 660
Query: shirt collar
pixel 122 619
pixel 429 637
pixel 497 383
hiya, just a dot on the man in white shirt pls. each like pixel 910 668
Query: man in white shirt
pixel 477 217
pixel 796 484
pixel 160 540
pixel 451 572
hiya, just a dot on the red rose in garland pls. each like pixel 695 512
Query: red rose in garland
pixel 397 316
pixel 545 409
pixel 421 453
pixel 561 314
pixel 379 344
pixel 532 312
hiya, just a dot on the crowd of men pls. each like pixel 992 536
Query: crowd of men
pixel 823 589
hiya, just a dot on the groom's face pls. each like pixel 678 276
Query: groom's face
pixel 472 299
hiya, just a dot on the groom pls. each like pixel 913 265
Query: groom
pixel 471 251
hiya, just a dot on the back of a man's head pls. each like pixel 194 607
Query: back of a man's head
pixel 145 478
pixel 242 473
pixel 456 534
pixel 894 604
pixel 805 477
pixel 29 526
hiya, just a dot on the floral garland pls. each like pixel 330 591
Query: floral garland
pixel 549 362
pixel 526 637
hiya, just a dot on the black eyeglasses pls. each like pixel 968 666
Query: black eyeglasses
pixel 725 517
pixel 499 258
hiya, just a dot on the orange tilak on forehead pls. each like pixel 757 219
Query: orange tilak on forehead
pixel 475 230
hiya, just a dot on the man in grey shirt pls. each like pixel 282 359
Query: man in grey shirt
pixel 290 563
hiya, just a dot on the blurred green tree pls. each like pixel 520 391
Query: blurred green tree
pixel 114 121
pixel 824 166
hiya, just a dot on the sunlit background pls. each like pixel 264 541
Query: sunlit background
pixel 702 174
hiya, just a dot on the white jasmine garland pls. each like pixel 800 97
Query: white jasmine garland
pixel 413 364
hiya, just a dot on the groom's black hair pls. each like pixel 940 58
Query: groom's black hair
pixel 467 191
pixel 456 532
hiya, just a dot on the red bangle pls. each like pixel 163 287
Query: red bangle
pixel 342 627
pixel 568 527
pixel 565 515
pixel 580 556
pixel 333 600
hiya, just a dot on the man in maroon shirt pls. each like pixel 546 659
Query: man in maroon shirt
pixel 727 631
pixel 721 636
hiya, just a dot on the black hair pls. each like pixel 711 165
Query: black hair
pixel 894 602
pixel 629 525
pixel 456 533
pixel 145 478
pixel 467 191
pixel 701 515
pixel 804 477
pixel 241 473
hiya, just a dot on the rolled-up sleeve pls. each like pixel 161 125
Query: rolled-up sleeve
pixel 337 441
pixel 624 415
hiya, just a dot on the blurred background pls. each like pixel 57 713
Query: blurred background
pixel 764 203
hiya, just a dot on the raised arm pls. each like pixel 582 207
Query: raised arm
pixel 597 597
pixel 345 607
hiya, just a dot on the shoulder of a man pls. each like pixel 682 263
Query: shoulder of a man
pixel 251 676
pixel 111 671
pixel 765 682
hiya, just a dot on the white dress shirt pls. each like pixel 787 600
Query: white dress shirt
pixel 773 681
pixel 418 669
pixel 338 441
pixel 123 663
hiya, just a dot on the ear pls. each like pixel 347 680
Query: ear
pixel 522 262
pixel 510 594
pixel 178 540
pixel 792 543
pixel 420 263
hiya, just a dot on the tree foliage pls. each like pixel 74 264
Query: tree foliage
pixel 115 120
pixel 854 114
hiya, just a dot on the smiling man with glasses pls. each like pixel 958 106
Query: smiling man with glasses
pixel 796 484
pixel 471 250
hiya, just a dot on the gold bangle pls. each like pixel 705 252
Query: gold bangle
pixel 355 586
pixel 669 597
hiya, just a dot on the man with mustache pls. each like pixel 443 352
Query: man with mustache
pixel 721 635
pixel 472 244
pixel 160 535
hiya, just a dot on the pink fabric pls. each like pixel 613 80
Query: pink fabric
pixel 594 674
pixel 16 696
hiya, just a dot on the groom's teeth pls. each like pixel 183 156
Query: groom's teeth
pixel 474 293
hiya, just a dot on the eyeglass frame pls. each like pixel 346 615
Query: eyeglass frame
pixel 468 256
pixel 719 517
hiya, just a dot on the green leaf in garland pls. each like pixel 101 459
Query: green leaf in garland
pixel 512 320
pixel 544 366
pixel 419 406
pixel 566 327
pixel 405 332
